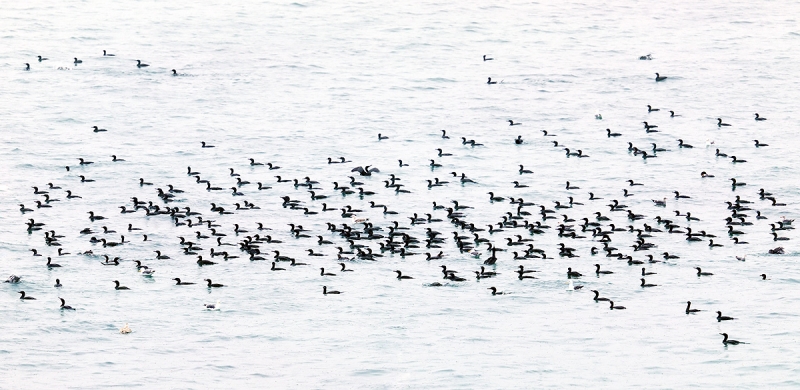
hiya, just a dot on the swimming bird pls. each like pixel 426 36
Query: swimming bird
pixel 125 329
pixel 24 297
pixel 400 275
pixel 598 271
pixel 139 64
pixel 77 61
pixel 214 285
pixel 118 287
pixel 512 123
pixel 727 341
pixel 758 144
pixel 204 145
pixel 614 307
pixel 64 305
pixel 105 54
pixel 660 78
pixel 179 283
pixel 597 297
pixel 52 265
pixel 98 130
pixel 381 137
pixel 651 109
pixel 58 284
pixel 490 81
pixel 323 273
pixel 721 317
pixel 202 262
pixel 759 118
pixel 274 268
pixel 644 284
pixel 486 58
pixel 570 286
pixel 42 58
pixel 212 306
pixel 573 274
pixel 518 140
pixel 701 273
pixel 610 134
pixel 326 292
pixel 494 291
pixel 720 123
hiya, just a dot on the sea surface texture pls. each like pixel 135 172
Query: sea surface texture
pixel 296 83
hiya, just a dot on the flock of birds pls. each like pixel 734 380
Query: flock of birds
pixel 612 229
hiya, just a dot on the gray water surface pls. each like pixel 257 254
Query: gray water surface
pixel 296 83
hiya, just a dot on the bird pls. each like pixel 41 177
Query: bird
pixel 118 287
pixel 720 123
pixel 64 305
pixel 615 307
pixel 24 297
pixel 212 306
pixel 721 317
pixel 400 275
pixel 701 273
pixel 727 341
pixel 494 291
pixel 644 284
pixel 139 64
pixel 125 329
pixel 325 291
pixel 660 77
pixel 689 309
pixel 214 285
pixel 760 118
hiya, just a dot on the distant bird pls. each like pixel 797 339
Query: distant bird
pixel 64 305
pixel 487 58
pixel 721 317
pixel 494 291
pixel 758 118
pixel 727 341
pixel 139 64
pixel 326 292
pixel 615 307
pixel 660 77
pixel 118 287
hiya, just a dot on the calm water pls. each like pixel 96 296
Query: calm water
pixel 296 83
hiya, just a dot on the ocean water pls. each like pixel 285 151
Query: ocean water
pixel 293 83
